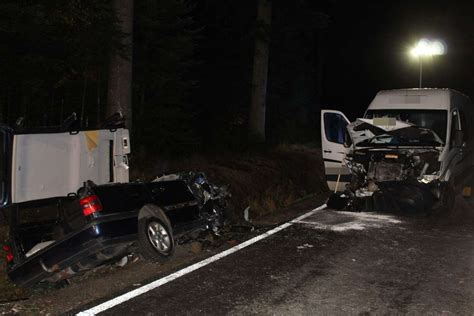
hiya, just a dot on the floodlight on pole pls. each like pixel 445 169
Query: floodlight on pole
pixel 427 48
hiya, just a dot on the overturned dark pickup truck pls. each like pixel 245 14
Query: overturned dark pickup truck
pixel 70 208
pixel 412 151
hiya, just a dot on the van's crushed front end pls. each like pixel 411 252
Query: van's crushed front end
pixel 393 164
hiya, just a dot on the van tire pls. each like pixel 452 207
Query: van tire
pixel 447 199
pixel 155 238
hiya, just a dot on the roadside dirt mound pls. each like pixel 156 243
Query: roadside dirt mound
pixel 265 181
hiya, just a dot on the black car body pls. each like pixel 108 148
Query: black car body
pixel 56 237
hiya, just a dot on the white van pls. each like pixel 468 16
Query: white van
pixel 413 147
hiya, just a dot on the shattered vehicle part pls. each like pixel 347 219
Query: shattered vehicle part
pixel 372 166
pixel 411 150
pixel 204 192
pixel 99 225
pixel 395 174
pixel 366 133
pixel 70 206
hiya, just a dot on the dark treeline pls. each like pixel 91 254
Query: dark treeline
pixel 192 68
pixel 53 58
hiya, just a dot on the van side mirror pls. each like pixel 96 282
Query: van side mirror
pixel 458 138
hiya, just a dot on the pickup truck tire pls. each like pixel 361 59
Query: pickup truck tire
pixel 155 238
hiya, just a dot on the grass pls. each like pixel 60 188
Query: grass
pixel 265 181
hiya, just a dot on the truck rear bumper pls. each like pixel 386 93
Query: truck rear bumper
pixel 103 233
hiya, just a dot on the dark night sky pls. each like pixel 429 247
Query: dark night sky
pixel 368 43
pixel 205 75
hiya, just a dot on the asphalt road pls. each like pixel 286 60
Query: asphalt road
pixel 333 262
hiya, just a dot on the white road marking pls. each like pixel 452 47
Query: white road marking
pixel 155 284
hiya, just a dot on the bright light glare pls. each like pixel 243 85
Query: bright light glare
pixel 438 48
pixel 428 48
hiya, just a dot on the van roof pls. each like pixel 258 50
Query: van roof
pixel 418 98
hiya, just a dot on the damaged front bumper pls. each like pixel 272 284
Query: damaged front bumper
pixel 403 196
pixel 393 179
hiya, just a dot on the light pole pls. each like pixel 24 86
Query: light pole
pixel 427 48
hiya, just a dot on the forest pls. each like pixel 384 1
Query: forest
pixel 192 68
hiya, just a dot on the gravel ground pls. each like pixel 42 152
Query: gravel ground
pixel 106 282
pixel 333 262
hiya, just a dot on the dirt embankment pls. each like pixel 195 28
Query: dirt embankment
pixel 265 181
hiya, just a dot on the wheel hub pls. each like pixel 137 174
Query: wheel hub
pixel 159 237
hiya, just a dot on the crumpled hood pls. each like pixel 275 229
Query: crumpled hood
pixel 367 131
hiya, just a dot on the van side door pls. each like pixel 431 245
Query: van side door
pixel 333 129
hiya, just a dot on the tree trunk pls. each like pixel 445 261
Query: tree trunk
pixel 260 72
pixel 119 90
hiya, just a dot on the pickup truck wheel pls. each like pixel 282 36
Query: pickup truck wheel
pixel 155 239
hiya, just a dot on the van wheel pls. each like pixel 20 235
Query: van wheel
pixel 448 198
pixel 155 239
pixel 446 203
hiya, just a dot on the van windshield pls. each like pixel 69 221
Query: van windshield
pixel 436 120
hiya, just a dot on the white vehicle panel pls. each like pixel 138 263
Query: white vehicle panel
pixel 57 164
pixel 332 139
